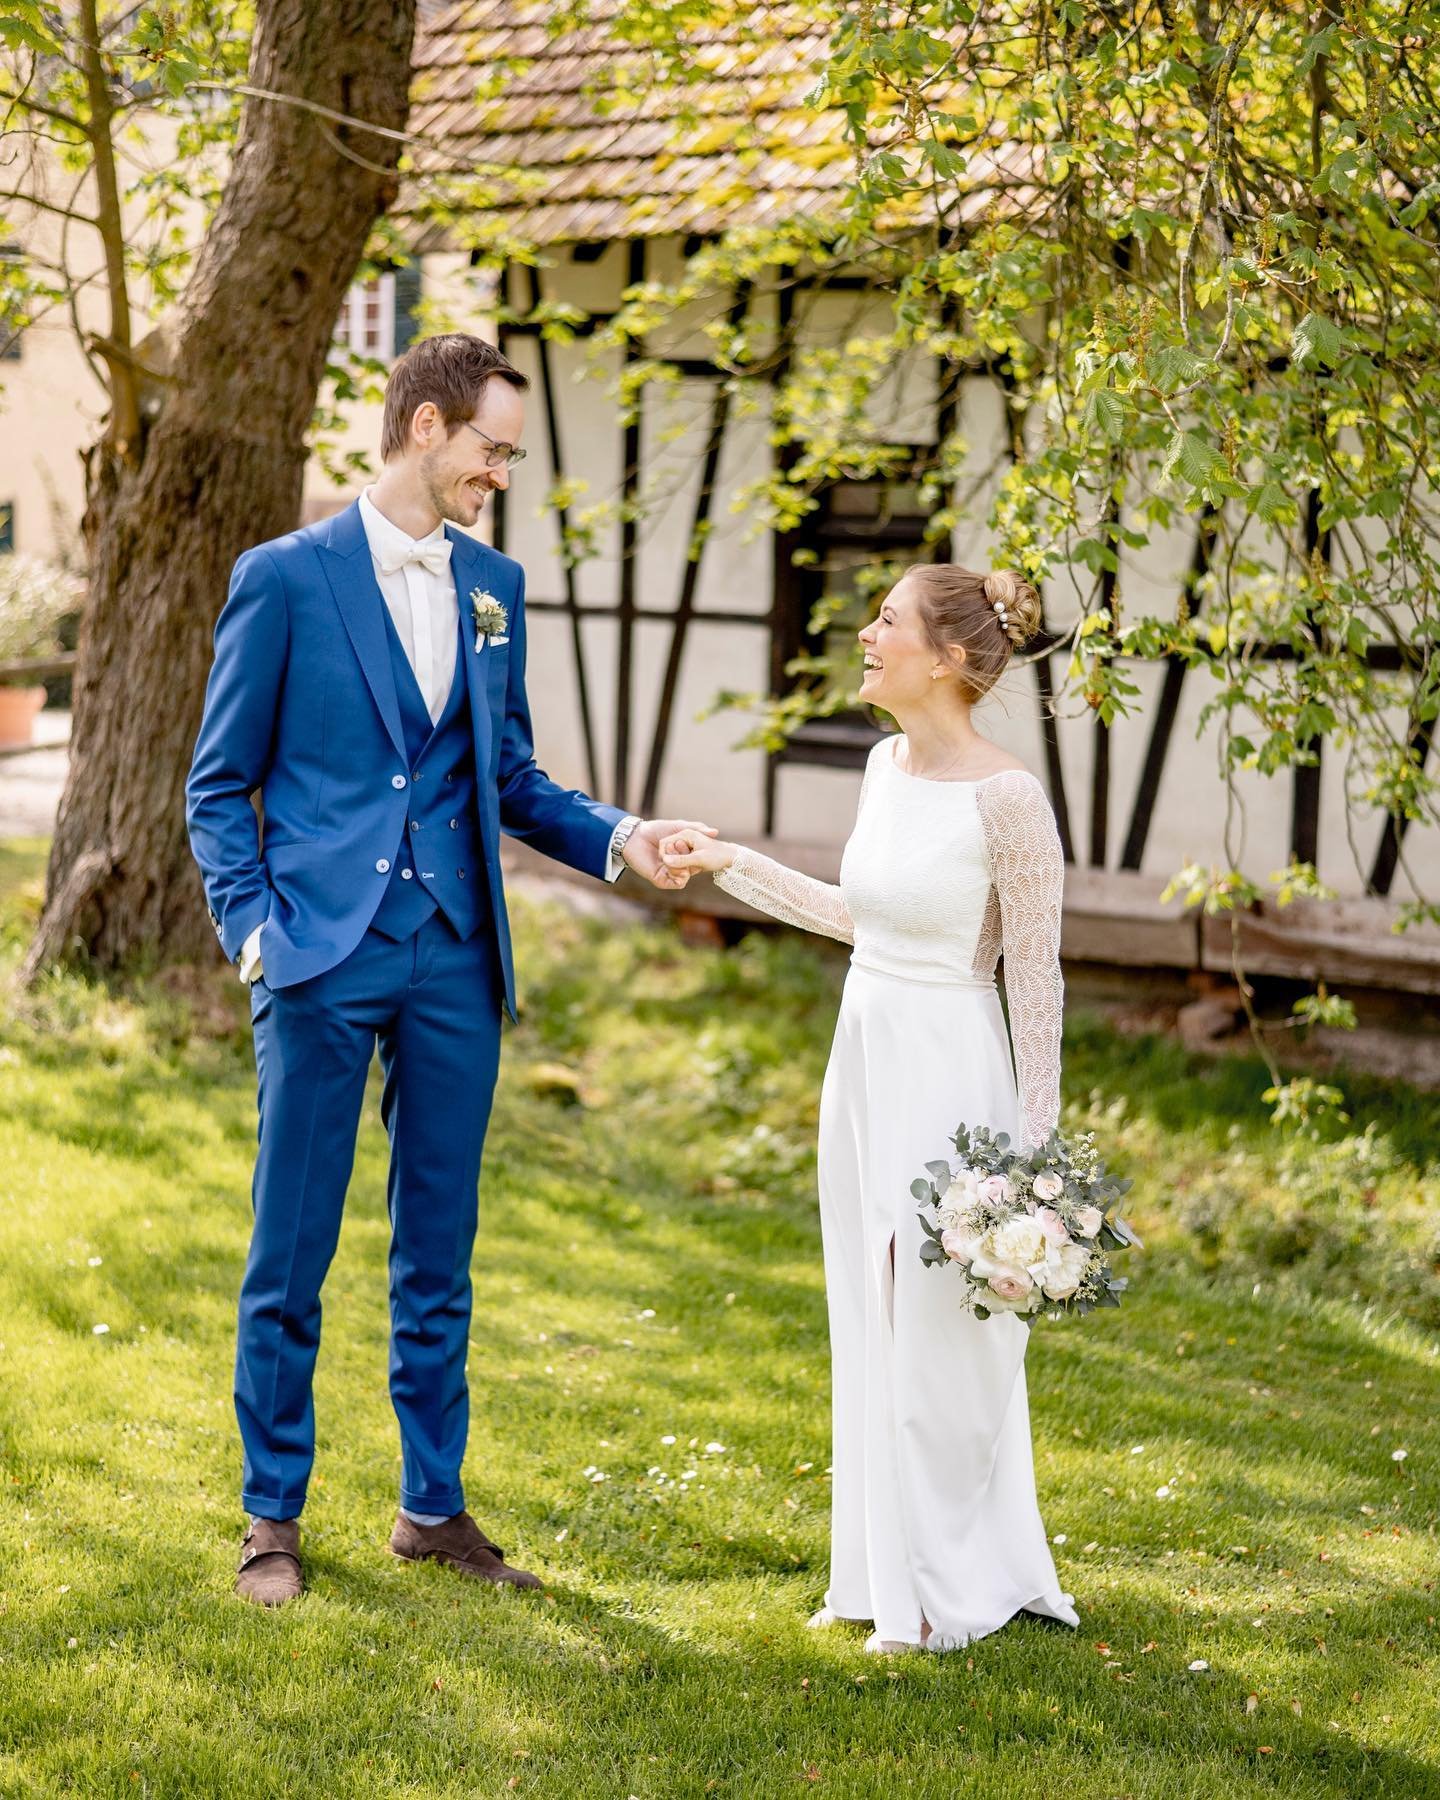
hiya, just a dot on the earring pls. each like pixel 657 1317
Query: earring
pixel 935 674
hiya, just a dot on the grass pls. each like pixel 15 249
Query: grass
pixel 648 1288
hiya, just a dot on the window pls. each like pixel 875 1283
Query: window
pixel 367 318
pixel 12 308
pixel 377 317
pixel 7 525
pixel 861 531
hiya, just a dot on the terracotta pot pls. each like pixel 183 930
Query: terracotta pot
pixel 18 707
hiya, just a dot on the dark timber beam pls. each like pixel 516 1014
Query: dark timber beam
pixel 689 580
pixel 1387 855
pixel 629 540
pixel 562 515
pixel 1305 793
pixel 1168 704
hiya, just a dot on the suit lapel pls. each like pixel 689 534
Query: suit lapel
pixel 467 559
pixel 351 576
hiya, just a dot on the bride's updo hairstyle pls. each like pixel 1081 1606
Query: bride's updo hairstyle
pixel 989 616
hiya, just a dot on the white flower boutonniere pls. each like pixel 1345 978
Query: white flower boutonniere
pixel 491 618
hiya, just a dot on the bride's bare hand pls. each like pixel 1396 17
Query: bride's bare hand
pixel 692 853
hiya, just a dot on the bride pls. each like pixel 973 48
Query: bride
pixel 936 1535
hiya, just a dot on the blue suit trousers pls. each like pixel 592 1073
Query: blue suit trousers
pixel 433 1005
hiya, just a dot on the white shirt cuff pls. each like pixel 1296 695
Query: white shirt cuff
pixel 249 959
pixel 615 863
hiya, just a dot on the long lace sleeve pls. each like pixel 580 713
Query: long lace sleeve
pixel 1028 869
pixel 785 894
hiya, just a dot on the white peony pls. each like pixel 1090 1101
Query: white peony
pixel 1019 1240
pixel 1007 1276
pixel 1060 1271
pixel 1048 1186
pixel 963 1189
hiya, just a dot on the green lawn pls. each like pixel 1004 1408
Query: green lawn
pixel 649 1310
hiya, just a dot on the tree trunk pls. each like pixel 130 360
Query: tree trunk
pixel 217 469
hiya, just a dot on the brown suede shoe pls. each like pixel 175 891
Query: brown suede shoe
pixel 463 1545
pixel 270 1562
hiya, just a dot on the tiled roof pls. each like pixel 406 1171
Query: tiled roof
pixel 579 136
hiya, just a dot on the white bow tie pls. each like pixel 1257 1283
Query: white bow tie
pixel 434 557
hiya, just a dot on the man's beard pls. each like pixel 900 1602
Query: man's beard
pixel 439 493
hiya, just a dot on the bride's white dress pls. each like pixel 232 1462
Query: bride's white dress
pixel 934 1510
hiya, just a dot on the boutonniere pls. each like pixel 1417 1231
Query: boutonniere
pixel 491 618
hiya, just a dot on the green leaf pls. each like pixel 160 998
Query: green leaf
pixel 1192 456
pixel 1272 505
pixel 28 34
pixel 1105 412
pixel 1318 339
pixel 1173 365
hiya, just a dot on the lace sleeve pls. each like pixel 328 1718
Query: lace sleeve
pixel 785 894
pixel 1028 869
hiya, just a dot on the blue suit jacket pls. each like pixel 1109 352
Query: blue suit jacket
pixel 301 706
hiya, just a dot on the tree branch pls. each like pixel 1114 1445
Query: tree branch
pixel 123 430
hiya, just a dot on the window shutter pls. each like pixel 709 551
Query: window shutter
pixel 407 299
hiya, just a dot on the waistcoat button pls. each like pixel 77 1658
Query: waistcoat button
pixel 405 874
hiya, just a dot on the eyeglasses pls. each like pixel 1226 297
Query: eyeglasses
pixel 498 453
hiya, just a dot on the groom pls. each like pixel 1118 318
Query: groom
pixel 369 683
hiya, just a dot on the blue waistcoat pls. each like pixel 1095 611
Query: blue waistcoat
pixel 437 864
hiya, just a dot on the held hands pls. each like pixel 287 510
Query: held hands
pixel 642 849
pixel 688 852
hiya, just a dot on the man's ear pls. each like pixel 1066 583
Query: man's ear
pixel 422 422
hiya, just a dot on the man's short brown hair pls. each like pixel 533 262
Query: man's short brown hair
pixel 451 371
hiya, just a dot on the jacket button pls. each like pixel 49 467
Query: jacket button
pixel 383 866
pixel 414 824
pixel 454 824
pixel 460 873
pixel 405 874
pixel 397 781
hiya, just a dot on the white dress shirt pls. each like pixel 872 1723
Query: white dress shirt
pixel 418 587
pixel 417 584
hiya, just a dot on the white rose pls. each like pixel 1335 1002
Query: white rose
pixel 1019 1240
pixel 1088 1220
pixel 995 1190
pixel 1048 1186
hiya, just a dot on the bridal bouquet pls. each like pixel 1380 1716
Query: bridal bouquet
pixel 1029 1233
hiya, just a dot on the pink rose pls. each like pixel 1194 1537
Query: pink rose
pixel 995 1190
pixel 1052 1225
pixel 1011 1284
pixel 1048 1186
pixel 1088 1220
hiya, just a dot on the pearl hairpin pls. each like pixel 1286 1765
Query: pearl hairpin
pixel 1000 612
